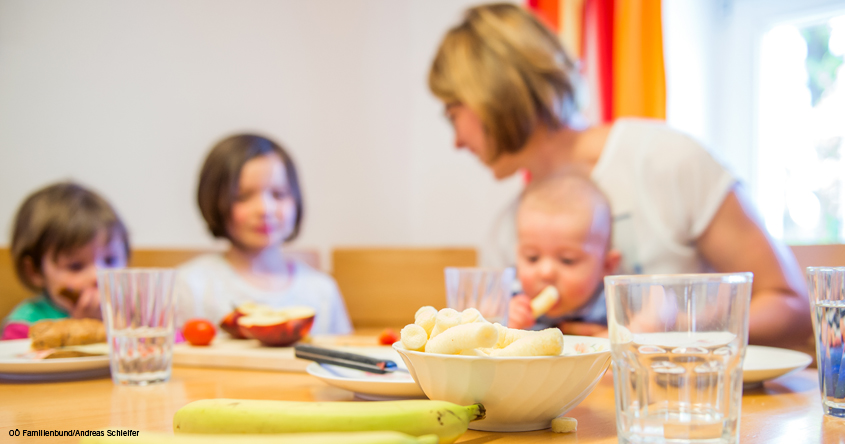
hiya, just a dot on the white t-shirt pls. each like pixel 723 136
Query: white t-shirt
pixel 664 189
pixel 208 287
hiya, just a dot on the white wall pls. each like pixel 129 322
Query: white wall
pixel 688 56
pixel 127 97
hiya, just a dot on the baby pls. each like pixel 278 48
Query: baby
pixel 563 241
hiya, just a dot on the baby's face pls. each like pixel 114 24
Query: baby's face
pixel 559 249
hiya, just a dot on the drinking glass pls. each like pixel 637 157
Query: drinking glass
pixel 137 306
pixel 486 289
pixel 827 305
pixel 677 344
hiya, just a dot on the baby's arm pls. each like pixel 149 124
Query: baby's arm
pixel 582 329
pixel 519 312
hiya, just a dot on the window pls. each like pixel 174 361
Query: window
pixel 801 130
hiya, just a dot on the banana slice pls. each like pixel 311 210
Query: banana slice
pixel 563 424
pixel 544 301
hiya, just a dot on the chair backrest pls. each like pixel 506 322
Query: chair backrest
pixel 13 292
pixel 384 287
pixel 819 255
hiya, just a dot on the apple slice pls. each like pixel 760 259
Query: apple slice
pixel 229 324
pixel 277 328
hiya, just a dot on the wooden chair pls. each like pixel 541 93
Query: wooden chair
pixel 384 287
pixel 819 255
pixel 13 292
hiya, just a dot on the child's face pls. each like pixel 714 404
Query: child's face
pixel 560 249
pixel 264 212
pixel 75 272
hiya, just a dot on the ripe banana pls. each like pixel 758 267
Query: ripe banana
pixel 380 437
pixel 415 417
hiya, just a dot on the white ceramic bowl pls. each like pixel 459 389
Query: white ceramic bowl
pixel 519 393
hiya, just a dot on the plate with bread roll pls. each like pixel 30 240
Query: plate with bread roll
pixel 57 349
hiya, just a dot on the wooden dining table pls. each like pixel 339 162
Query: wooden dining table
pixel 784 410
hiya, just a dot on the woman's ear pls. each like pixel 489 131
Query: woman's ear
pixel 32 272
pixel 611 261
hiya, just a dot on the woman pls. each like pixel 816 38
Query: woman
pixel 507 87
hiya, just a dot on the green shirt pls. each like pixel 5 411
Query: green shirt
pixel 35 309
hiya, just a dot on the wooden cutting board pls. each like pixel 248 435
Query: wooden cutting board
pixel 238 353
pixel 225 352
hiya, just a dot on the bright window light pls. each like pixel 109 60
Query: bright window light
pixel 800 131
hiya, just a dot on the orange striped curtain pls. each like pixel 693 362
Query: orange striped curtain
pixel 620 46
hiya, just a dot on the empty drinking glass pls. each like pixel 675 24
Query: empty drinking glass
pixel 486 289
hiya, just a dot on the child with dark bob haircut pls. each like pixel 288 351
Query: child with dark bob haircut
pixel 249 193
pixel 61 235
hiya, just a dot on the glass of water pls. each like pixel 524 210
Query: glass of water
pixel 678 343
pixel 137 306
pixel 827 305
pixel 486 289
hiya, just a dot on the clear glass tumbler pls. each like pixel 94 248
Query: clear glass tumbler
pixel 138 308
pixel 827 305
pixel 677 344
pixel 486 289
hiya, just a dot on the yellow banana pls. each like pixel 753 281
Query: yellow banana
pixel 415 417
pixel 379 437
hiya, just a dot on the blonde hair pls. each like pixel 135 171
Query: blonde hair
pixel 510 69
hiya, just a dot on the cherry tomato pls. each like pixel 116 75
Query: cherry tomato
pixel 198 331
pixel 388 336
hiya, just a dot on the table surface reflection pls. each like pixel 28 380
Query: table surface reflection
pixel 785 410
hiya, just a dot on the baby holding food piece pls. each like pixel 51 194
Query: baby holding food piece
pixel 61 235
pixel 564 233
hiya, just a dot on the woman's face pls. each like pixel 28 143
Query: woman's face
pixel 469 130
pixel 470 134
pixel 264 211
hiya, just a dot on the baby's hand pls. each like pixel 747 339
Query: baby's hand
pixel 583 329
pixel 519 312
pixel 88 305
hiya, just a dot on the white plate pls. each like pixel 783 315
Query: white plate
pixel 14 364
pixel 764 363
pixel 371 386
